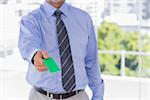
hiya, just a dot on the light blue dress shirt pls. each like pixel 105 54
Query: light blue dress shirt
pixel 38 32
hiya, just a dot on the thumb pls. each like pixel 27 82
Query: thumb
pixel 45 54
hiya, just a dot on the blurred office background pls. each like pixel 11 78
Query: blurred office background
pixel 123 33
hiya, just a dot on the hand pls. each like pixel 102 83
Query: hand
pixel 38 60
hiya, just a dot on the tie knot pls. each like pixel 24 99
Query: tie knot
pixel 57 13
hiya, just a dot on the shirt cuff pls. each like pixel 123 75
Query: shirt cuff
pixel 97 98
pixel 98 91
pixel 32 54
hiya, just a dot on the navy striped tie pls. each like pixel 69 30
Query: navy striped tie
pixel 68 75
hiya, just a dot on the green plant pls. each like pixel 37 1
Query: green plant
pixel 113 37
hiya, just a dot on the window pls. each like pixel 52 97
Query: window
pixel 123 34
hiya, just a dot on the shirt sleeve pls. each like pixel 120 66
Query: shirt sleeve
pixel 29 39
pixel 95 83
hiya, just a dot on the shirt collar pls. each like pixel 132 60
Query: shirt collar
pixel 50 9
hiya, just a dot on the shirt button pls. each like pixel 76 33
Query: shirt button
pixel 60 79
pixel 58 59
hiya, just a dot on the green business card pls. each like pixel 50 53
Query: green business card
pixel 51 65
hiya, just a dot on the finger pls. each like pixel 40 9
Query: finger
pixel 38 54
pixel 45 54
pixel 38 62
pixel 41 68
